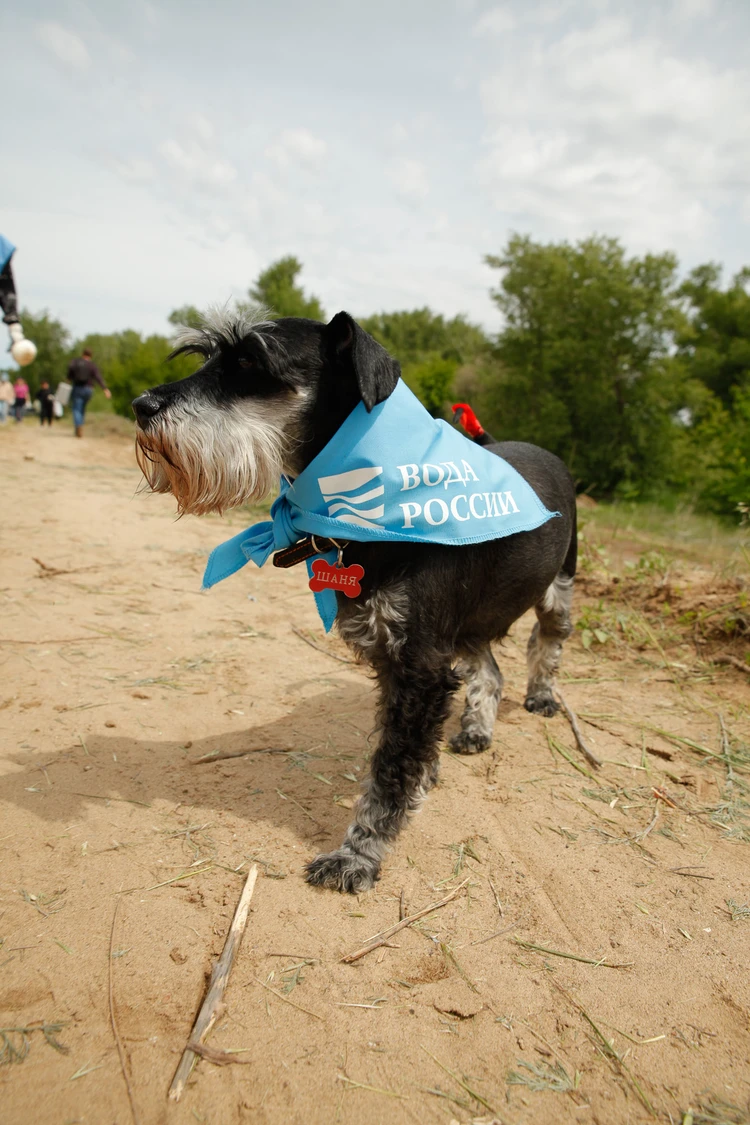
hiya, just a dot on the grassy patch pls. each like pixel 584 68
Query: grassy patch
pixel 543 1076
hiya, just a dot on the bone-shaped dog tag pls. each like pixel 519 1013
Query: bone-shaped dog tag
pixel 345 579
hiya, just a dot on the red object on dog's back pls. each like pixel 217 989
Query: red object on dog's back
pixel 463 413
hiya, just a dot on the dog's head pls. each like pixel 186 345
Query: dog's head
pixel 267 398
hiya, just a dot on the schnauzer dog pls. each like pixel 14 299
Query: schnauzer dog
pixel 267 399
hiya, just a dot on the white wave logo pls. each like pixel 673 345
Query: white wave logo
pixel 342 493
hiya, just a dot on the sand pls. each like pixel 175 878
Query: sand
pixel 117 673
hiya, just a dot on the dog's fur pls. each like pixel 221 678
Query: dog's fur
pixel 268 398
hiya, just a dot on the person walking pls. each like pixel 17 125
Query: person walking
pixel 21 394
pixel 7 396
pixel 46 401
pixel 82 374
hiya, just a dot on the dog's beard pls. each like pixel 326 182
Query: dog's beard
pixel 211 459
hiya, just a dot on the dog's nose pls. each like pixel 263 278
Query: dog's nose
pixel 146 406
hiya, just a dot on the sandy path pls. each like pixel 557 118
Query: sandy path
pixel 118 673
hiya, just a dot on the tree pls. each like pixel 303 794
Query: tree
pixel 430 349
pixel 714 342
pixel 52 341
pixel 276 290
pixel 187 316
pixel 582 364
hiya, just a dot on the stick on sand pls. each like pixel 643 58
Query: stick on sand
pixel 220 755
pixel 734 661
pixel 209 1009
pixel 113 1022
pixel 572 719
pixel 382 938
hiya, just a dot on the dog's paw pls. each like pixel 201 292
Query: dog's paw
pixel 466 742
pixel 343 870
pixel 542 704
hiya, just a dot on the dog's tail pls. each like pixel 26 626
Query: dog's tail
pixel 463 414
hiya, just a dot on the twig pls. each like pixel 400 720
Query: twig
pixel 312 644
pixel 499 933
pixel 54 571
pixel 733 660
pixel 287 1000
pixel 402 905
pixel 219 755
pixel 382 938
pixel 220 1058
pixel 55 641
pixel 639 837
pixel 113 1021
pixel 461 1082
pixel 497 898
pixel 286 797
pixel 573 956
pixel 605 1046
pixel 588 754
pixel 375 1089
pixel 450 956
pixel 210 1007
pixel 725 746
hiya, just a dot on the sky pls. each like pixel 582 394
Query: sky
pixel 162 153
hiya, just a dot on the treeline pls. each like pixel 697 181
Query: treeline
pixel 638 379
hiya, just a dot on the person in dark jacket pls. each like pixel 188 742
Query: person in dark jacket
pixel 82 374
pixel 22 350
pixel 46 400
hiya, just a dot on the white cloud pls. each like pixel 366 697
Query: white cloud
pixel 198 163
pixel 134 170
pixel 65 45
pixel 495 22
pixel 605 128
pixel 297 146
pixel 693 9
pixel 203 127
pixel 410 178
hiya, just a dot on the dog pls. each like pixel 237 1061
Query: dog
pixel 267 399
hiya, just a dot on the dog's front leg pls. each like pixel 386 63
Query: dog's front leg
pixel 413 707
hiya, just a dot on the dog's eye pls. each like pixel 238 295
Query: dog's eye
pixel 246 364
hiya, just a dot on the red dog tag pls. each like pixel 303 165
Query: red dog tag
pixel 342 578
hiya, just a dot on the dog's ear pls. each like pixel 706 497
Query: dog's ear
pixel 376 372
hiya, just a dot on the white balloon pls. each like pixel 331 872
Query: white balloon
pixel 23 352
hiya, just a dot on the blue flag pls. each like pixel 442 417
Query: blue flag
pixel 394 473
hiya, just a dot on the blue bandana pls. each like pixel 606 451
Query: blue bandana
pixel 393 474
pixel 6 251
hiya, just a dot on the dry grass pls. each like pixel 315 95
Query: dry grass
pixel 541 1076
pixel 15 1042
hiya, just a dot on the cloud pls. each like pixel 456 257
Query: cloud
pixel 606 128
pixel 297 146
pixel 495 22
pixel 410 178
pixel 203 127
pixel 134 170
pixel 65 45
pixel 197 163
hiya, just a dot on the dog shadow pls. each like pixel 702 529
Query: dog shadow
pixel 288 772
pixel 301 772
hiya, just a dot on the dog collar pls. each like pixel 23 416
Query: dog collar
pixel 393 474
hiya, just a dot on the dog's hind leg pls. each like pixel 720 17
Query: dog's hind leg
pixel 484 688
pixel 553 626
pixel 414 705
